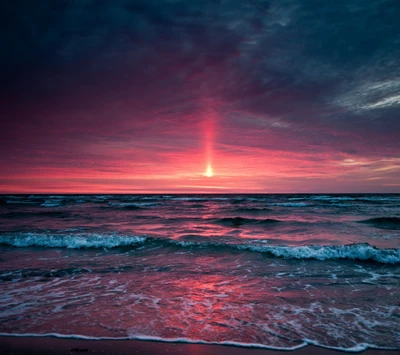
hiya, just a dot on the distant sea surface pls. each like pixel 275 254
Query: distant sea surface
pixel 275 271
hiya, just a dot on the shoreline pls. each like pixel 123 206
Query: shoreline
pixel 52 345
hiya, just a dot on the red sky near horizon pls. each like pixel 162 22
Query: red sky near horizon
pixel 246 97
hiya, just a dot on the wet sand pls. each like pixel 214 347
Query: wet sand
pixel 34 345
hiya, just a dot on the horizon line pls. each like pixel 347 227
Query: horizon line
pixel 198 193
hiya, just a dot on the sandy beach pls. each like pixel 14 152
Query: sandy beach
pixel 34 345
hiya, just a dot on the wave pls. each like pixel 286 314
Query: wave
pixel 52 203
pixel 291 204
pixel 238 221
pixel 197 198
pixel 175 198
pixel 356 348
pixel 74 241
pixel 197 205
pixel 252 210
pixel 127 207
pixel 345 201
pixel 131 205
pixel 21 202
pixel 383 222
pixel 27 273
pixel 361 251
pixel 23 214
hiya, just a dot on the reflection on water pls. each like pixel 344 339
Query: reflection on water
pixel 275 271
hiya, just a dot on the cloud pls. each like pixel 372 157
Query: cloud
pixel 110 86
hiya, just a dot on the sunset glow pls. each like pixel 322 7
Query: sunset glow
pixel 209 171
pixel 200 177
pixel 159 105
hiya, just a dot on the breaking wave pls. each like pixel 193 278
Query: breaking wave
pixel 362 251
pixel 75 241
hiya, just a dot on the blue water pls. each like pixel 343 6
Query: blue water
pixel 276 271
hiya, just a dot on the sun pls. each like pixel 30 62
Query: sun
pixel 209 172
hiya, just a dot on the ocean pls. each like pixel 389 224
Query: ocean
pixel 274 271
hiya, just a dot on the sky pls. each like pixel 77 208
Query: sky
pixel 205 96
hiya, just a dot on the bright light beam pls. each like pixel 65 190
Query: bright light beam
pixel 209 133
pixel 209 171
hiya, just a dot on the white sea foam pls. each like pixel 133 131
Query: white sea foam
pixel 103 197
pixel 52 203
pixel 74 241
pixel 320 252
pixel 352 252
pixel 354 349
pixel 189 198
pixel 331 198
pixel 290 204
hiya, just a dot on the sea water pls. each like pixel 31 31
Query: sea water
pixel 274 271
